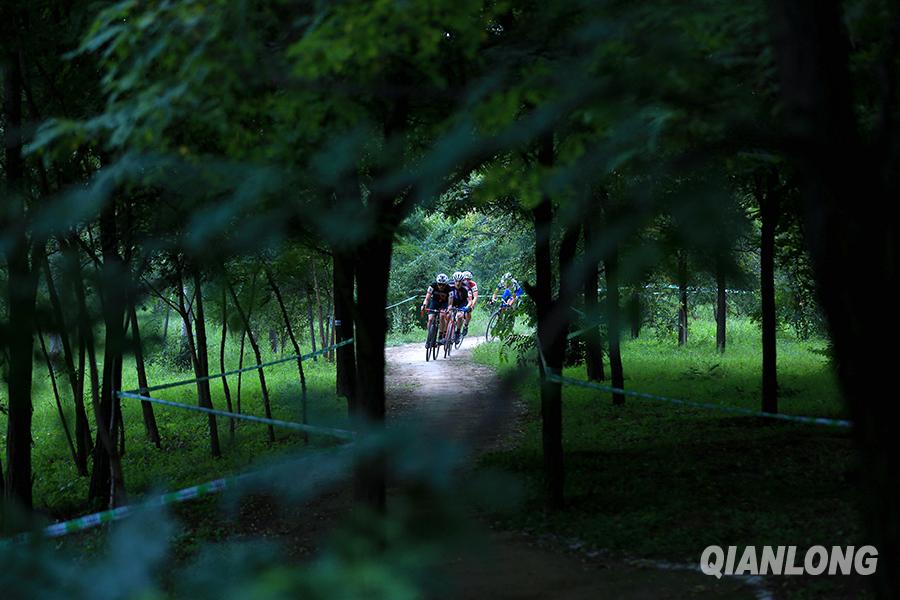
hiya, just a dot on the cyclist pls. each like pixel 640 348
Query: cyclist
pixel 511 290
pixel 459 298
pixel 437 297
pixel 473 298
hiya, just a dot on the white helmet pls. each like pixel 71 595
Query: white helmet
pixel 458 276
pixel 442 278
pixel 467 274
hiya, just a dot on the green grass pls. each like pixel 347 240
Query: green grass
pixel 657 480
pixel 185 457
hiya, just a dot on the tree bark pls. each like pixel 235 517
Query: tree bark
pixel 290 330
pixel 635 314
pixel 322 338
pixel 767 198
pixel 342 276
pixel 83 444
pixel 107 480
pixel 150 426
pixel 682 299
pixel 846 183
pixel 21 295
pixel 255 345
pixel 550 346
pixel 614 322
pixel 225 389
pixel 202 353
pixel 312 322
pixel 59 408
pixel 721 306
pixel 592 339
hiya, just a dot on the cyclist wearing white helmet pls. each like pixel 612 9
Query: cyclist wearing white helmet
pixel 504 283
pixel 473 298
pixel 437 298
pixel 459 299
pixel 511 291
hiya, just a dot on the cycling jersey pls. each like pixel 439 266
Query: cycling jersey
pixel 507 293
pixel 459 296
pixel 473 287
pixel 440 295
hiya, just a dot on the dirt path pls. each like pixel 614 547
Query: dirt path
pixel 463 400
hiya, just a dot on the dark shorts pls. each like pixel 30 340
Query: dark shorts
pixel 434 304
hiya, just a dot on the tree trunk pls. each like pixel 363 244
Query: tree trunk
pixel 107 480
pixel 614 321
pixel 682 299
pixel 593 340
pixel 769 209
pixel 83 444
pixel 165 334
pixel 322 338
pixel 255 345
pixel 273 340
pixel 59 408
pixel 225 389
pixel 202 353
pixel 342 276
pixel 290 330
pixel 21 293
pixel 240 373
pixel 312 322
pixel 635 314
pixel 150 427
pixel 721 306
pixel 548 339
pixel 846 183
pixel 372 275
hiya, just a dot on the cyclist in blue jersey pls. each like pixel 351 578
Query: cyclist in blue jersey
pixel 509 291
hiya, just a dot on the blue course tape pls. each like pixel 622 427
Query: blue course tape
pixel 703 405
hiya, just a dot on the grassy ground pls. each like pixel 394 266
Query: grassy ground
pixel 661 481
pixel 184 458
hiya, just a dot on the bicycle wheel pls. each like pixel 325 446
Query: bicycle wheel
pixel 489 333
pixel 448 338
pixel 431 342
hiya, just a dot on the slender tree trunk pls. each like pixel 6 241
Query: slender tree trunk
pixel 202 370
pixel 83 444
pixel 635 314
pixel 290 331
pixel 614 322
pixel 165 334
pixel 768 203
pixel 150 427
pixel 240 373
pixel 593 340
pixel 342 275
pixel 312 321
pixel 721 306
pixel 55 389
pixel 255 345
pixel 322 337
pixel 682 299
pixel 225 389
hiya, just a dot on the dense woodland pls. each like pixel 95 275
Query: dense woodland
pixel 194 187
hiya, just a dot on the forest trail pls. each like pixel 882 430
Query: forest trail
pixel 463 400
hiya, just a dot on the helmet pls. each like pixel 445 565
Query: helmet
pixel 467 274
pixel 442 278
pixel 458 276
pixel 515 283
pixel 506 276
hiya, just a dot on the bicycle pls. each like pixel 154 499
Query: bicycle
pixel 431 345
pixel 461 331
pixel 492 322
pixel 451 332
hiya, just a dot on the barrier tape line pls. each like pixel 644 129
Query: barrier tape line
pixel 401 302
pixel 116 514
pixel 292 358
pixel 341 433
pixel 703 405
